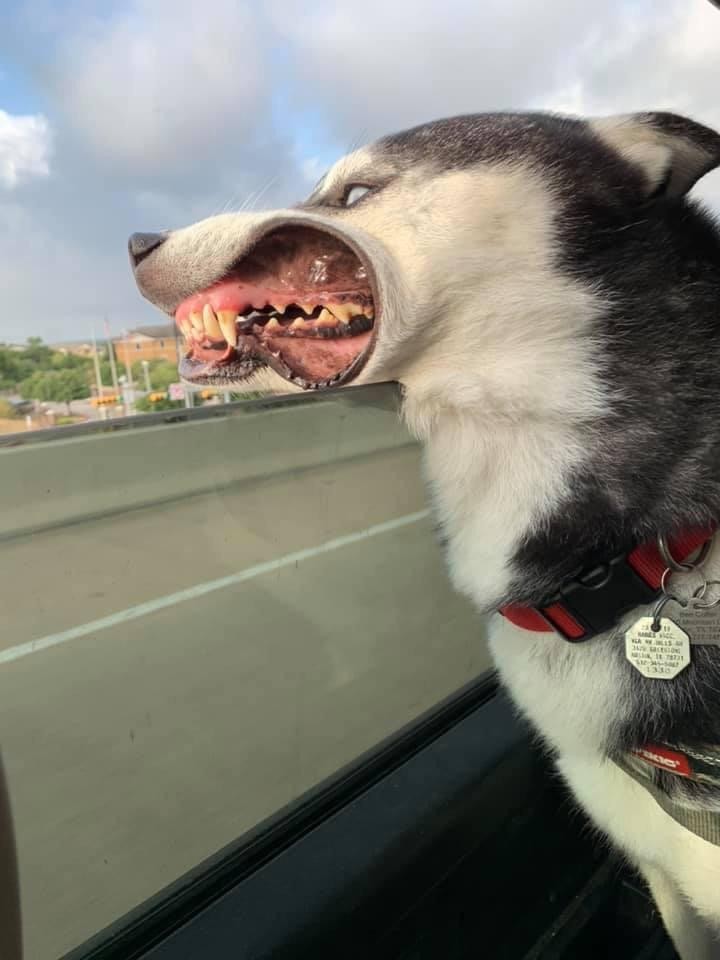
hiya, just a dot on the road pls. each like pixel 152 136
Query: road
pixel 141 739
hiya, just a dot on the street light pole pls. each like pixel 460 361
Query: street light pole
pixel 96 364
pixel 98 376
pixel 111 357
pixel 146 374
pixel 187 393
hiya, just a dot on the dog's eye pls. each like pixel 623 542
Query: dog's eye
pixel 354 193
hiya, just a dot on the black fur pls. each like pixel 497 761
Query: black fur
pixel 654 461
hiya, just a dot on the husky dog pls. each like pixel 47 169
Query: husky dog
pixel 549 299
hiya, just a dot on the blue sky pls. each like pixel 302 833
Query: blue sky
pixel 149 114
pixel 17 94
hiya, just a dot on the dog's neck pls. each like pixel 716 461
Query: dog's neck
pixel 497 485
pixel 491 483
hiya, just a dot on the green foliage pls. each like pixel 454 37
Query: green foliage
pixel 69 361
pixel 38 372
pixel 38 353
pixel 162 374
pixel 17 365
pixel 56 386
pixel 106 373
pixel 12 369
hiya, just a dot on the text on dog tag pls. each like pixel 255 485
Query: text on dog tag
pixel 658 654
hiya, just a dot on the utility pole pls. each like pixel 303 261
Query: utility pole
pixel 187 393
pixel 146 374
pixel 128 371
pixel 98 376
pixel 96 364
pixel 111 358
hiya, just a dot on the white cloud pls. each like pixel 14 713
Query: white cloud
pixel 382 66
pixel 312 169
pixel 164 111
pixel 390 65
pixel 162 86
pixel 25 145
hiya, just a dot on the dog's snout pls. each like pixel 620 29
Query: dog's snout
pixel 141 245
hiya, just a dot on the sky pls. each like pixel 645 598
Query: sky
pixel 150 114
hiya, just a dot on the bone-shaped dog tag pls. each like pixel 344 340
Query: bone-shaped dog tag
pixel 657 647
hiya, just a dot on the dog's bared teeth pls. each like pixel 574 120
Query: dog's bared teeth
pixel 307 307
pixel 326 319
pixel 273 325
pixel 210 322
pixel 280 307
pixel 186 328
pixel 300 324
pixel 197 321
pixel 226 320
pixel 345 311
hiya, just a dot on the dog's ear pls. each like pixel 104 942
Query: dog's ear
pixel 672 152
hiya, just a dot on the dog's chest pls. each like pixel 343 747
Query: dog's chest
pixel 574 694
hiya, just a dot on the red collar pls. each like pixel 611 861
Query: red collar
pixel 596 600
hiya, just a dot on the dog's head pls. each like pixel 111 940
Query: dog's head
pixel 458 257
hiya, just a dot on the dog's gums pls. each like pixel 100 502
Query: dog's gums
pixel 300 302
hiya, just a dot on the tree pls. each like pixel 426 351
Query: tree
pixel 56 386
pixel 38 353
pixel 162 374
pixel 69 361
pixel 13 368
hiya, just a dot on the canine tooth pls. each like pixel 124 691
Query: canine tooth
pixel 280 307
pixel 307 307
pixel 299 324
pixel 197 321
pixel 326 319
pixel 212 327
pixel 273 324
pixel 369 312
pixel 226 319
pixel 186 327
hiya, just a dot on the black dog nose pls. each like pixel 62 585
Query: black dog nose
pixel 141 245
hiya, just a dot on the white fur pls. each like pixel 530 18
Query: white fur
pixel 493 347
pixel 570 694
pixel 498 402
pixel 654 151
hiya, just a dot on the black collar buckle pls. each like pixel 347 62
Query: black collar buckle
pixel 598 598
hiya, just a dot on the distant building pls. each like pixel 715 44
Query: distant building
pixel 147 343
pixel 74 347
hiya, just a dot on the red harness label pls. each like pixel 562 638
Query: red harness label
pixel 664 759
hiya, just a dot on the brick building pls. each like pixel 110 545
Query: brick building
pixel 147 343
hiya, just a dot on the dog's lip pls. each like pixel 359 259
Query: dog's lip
pixel 189 368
